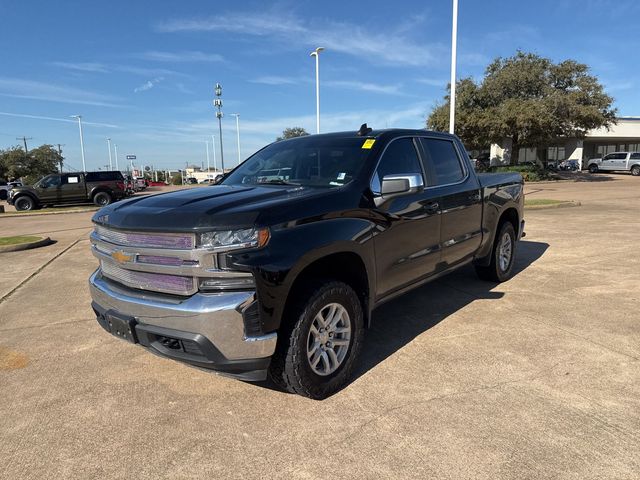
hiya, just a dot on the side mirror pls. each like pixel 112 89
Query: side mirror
pixel 394 185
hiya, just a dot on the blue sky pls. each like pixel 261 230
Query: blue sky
pixel 142 73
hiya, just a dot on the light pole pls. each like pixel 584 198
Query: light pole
pixel 217 103
pixel 79 117
pixel 237 115
pixel 213 147
pixel 116 149
pixel 316 53
pixel 110 159
pixel 207 144
pixel 454 40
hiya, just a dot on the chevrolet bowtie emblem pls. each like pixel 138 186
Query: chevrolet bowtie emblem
pixel 122 257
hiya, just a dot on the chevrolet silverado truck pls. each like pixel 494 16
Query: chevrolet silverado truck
pixel 101 188
pixel 276 270
pixel 616 161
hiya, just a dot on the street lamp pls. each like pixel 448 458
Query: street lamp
pixel 115 147
pixel 213 147
pixel 110 160
pixel 316 53
pixel 79 117
pixel 237 115
pixel 454 36
pixel 206 142
pixel 217 103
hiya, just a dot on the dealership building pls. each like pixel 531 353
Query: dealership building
pixel 622 137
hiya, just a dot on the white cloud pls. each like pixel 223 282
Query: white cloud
pixel 189 56
pixel 434 82
pixel 41 117
pixel 390 47
pixel 20 88
pixel 365 86
pixel 148 85
pixel 82 67
pixel 276 80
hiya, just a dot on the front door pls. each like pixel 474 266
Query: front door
pixel 407 242
pixel 47 188
pixel 460 200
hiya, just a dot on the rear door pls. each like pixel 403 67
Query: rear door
pixel 460 199
pixel 72 188
pixel 407 242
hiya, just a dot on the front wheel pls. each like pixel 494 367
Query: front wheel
pixel 593 168
pixel 24 204
pixel 317 352
pixel 635 170
pixel 502 256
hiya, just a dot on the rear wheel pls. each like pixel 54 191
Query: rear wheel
pixel 102 199
pixel 593 168
pixel 24 204
pixel 317 351
pixel 502 256
pixel 635 170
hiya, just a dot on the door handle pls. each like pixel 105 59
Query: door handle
pixel 432 207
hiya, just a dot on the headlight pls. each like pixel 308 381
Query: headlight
pixel 232 239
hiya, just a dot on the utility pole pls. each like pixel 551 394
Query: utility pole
pixel 115 147
pixel 237 115
pixel 316 53
pixel 109 145
pixel 217 103
pixel 207 144
pixel 24 139
pixel 213 146
pixel 454 40
pixel 79 118
pixel 60 153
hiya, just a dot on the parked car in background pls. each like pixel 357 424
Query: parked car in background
pixel 5 187
pixel 569 166
pixel 616 161
pixel 192 181
pixel 101 188
pixel 278 273
pixel 141 184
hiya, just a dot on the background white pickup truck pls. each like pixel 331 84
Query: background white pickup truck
pixel 624 161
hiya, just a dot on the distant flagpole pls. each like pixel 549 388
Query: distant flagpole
pixel 454 46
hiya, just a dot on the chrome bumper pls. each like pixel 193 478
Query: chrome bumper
pixel 216 316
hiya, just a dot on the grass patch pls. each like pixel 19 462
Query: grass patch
pixel 530 173
pixel 530 202
pixel 18 240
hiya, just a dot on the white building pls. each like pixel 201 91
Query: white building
pixel 622 137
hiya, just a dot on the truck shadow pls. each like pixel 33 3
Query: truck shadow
pixel 398 322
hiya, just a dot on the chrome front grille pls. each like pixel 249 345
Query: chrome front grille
pixel 179 241
pixel 156 282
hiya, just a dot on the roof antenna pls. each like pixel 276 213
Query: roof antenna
pixel 364 130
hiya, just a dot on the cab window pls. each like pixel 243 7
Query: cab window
pixel 51 181
pixel 400 158
pixel 441 155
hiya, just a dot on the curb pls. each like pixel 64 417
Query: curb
pixel 36 213
pixel 553 205
pixel 25 246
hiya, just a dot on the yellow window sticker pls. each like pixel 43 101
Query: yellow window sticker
pixel 368 143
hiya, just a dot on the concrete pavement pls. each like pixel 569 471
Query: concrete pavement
pixel 535 378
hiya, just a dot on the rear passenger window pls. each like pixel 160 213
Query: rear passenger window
pixel 399 158
pixel 635 156
pixel 443 158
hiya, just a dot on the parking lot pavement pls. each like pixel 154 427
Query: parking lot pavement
pixel 535 378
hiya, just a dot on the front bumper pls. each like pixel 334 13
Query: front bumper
pixel 205 330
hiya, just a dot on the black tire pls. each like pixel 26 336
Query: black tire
pixel 24 203
pixel 593 168
pixel 102 199
pixel 635 170
pixel 290 366
pixel 495 271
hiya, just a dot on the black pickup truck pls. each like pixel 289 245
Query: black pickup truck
pixel 101 188
pixel 276 270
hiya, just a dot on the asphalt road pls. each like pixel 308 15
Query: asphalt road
pixel 535 378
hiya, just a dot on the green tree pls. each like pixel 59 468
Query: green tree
pixel 530 100
pixel 292 133
pixel 40 161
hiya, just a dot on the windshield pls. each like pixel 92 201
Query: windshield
pixel 308 161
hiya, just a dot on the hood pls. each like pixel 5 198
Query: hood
pixel 201 208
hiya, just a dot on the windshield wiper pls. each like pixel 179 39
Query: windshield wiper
pixel 278 181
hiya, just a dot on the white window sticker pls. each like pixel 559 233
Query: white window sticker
pixel 73 179
pixel 341 175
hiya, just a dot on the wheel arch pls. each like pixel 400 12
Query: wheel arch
pixel 26 194
pixel 345 266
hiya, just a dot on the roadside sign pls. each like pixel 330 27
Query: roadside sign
pixel 131 157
